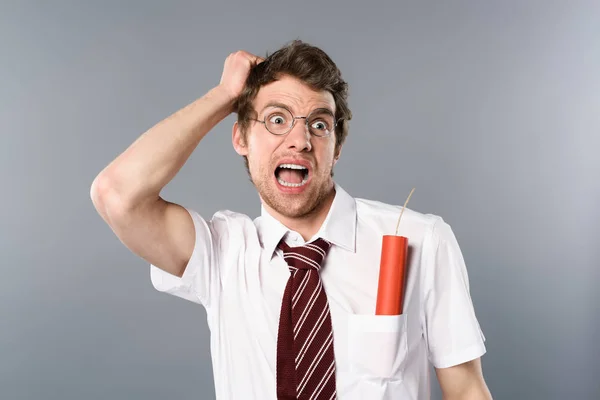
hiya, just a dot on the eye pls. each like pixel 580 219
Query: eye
pixel 277 119
pixel 320 125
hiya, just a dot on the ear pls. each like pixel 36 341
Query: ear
pixel 238 141
pixel 337 155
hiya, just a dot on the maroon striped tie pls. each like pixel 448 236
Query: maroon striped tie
pixel 305 358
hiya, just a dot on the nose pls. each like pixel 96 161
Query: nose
pixel 299 137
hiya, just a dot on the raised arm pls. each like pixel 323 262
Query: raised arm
pixel 126 193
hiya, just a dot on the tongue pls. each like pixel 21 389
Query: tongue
pixel 291 175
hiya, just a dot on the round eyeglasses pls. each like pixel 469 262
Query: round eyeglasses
pixel 280 121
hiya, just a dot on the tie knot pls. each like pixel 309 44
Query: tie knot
pixel 310 255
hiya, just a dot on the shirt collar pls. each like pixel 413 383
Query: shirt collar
pixel 339 227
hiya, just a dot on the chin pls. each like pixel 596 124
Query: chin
pixel 295 210
pixel 294 205
pixel 290 206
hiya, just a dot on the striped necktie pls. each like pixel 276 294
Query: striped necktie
pixel 305 357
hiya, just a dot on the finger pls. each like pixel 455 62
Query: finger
pixel 252 57
pixel 256 60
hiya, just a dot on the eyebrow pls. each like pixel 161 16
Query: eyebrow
pixel 282 105
pixel 274 104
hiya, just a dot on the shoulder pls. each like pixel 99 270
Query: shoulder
pixel 224 223
pixel 384 217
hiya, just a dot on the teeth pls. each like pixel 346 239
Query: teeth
pixel 287 184
pixel 292 166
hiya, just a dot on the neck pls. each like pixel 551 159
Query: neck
pixel 309 224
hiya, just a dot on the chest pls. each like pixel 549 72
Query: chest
pixel 254 289
pixel 366 345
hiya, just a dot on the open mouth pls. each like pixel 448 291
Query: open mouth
pixel 291 175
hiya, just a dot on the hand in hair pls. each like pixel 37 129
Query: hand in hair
pixel 235 71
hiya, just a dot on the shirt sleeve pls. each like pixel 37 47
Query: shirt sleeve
pixel 451 329
pixel 201 281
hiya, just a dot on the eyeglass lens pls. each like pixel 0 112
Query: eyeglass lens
pixel 279 121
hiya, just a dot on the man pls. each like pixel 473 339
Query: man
pixel 290 296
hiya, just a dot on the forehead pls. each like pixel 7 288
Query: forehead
pixel 298 96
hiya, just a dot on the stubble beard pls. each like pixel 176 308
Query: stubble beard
pixel 294 205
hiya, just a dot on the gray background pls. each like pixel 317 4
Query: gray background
pixel 490 109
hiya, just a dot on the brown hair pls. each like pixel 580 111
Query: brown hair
pixel 307 63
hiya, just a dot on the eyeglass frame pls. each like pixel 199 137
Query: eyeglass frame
pixel 305 118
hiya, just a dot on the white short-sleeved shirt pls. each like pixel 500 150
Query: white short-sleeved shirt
pixel 239 276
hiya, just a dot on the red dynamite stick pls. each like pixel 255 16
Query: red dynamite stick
pixel 392 271
pixel 392 275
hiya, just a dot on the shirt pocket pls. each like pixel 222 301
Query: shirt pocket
pixel 377 346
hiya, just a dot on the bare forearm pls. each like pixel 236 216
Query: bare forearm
pixel 151 162
pixel 463 382
pixel 474 392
